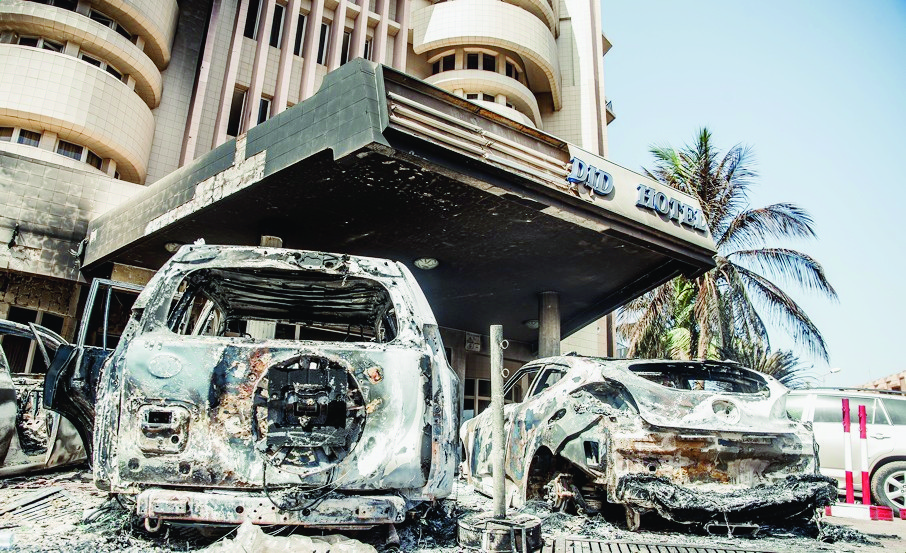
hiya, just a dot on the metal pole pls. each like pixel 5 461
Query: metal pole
pixel 498 440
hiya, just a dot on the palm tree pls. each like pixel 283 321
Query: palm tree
pixel 782 365
pixel 703 316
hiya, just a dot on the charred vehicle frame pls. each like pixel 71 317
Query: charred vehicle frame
pixel 701 443
pixel 265 384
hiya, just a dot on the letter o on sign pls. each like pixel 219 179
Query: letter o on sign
pixel 661 203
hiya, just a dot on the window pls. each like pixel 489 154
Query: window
pixel 367 53
pixel 267 303
pixel 547 378
pixel 236 107
pixel 93 61
pixel 70 150
pixel 64 4
pixel 22 353
pixel 472 96
pixel 830 409
pixel 344 54
pixel 51 45
pixel 109 22
pixel 896 410
pixel 264 110
pixel 251 19
pixel 300 32
pixel 112 70
pixel 322 43
pixel 476 60
pixel 277 26
pixel 29 41
pixel 6 134
pixel 474 403
pixel 488 97
pixel 489 62
pixel 446 63
pixel 29 138
pixel 40 42
pixel 93 159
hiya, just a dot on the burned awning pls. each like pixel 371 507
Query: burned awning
pixel 380 164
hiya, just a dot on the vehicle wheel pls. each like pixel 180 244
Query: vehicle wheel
pixel 888 485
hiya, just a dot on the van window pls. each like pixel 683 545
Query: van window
pixel 896 410
pixel 830 409
pixel 265 303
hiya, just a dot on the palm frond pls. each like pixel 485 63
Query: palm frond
pixel 754 227
pixel 787 312
pixel 792 266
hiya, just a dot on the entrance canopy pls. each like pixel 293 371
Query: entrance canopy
pixel 378 163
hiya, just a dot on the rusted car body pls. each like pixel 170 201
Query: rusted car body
pixel 31 437
pixel 701 443
pixel 280 386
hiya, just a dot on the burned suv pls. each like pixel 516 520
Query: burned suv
pixel 276 386
pixel 698 442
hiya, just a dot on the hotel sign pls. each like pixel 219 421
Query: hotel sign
pixel 637 197
pixel 676 210
pixel 596 180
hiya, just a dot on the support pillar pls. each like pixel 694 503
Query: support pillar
pixel 549 324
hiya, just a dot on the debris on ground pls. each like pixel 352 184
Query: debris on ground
pixel 250 537
pixel 80 518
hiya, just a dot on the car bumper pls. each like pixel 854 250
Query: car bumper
pixel 336 511
pixel 792 496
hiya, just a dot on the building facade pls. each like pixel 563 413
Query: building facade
pixel 101 98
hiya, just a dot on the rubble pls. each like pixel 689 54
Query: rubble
pixel 87 520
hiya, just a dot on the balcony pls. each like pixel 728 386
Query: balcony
pixel 32 18
pixel 608 107
pixel 49 91
pixel 476 80
pixel 496 25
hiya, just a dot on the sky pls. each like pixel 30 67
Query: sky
pixel 818 90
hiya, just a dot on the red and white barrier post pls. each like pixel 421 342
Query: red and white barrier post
pixel 863 438
pixel 848 454
pixel 866 511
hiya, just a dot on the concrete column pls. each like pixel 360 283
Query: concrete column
pixel 338 28
pixel 379 43
pixel 229 76
pixel 285 69
pixel 359 32
pixel 140 43
pixel 48 141
pixel 71 49
pixel 549 324
pixel 190 137
pixel 310 49
pixel 109 166
pixel 401 45
pixel 259 65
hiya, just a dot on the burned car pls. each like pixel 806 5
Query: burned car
pixel 32 437
pixel 703 443
pixel 277 386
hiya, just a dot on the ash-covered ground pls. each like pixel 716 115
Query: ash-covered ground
pixel 75 516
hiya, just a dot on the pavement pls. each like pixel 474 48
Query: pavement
pixel 891 534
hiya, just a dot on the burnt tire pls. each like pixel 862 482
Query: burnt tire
pixel 888 485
